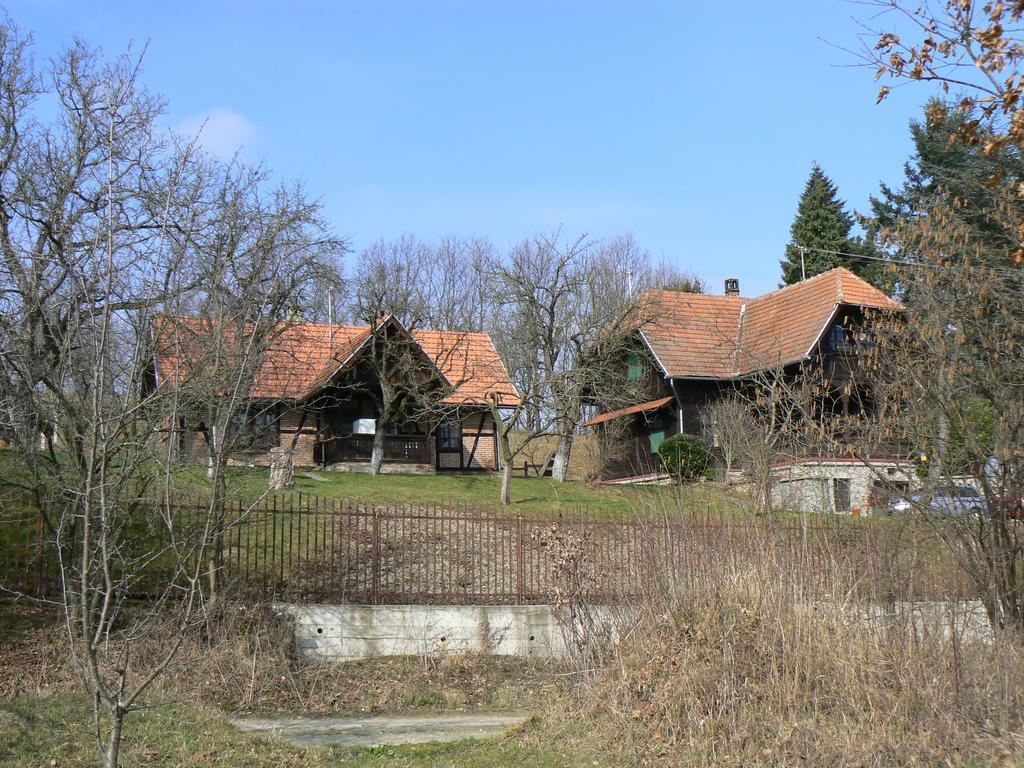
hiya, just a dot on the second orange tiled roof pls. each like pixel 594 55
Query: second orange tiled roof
pixel 719 337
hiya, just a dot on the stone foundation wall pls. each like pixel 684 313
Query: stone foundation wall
pixel 385 468
pixel 810 486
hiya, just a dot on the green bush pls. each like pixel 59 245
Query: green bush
pixel 686 457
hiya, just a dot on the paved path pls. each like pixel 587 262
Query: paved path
pixel 379 730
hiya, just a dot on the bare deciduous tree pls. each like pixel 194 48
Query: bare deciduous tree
pixel 626 270
pixel 949 372
pixel 731 427
pixel 265 257
pixel 557 311
pixel 102 223
pixel 424 285
pixel 402 287
pixel 769 418
pixel 567 312
pixel 949 385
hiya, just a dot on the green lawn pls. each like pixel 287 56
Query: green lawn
pixel 41 731
pixel 530 496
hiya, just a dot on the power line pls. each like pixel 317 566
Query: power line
pixel 1014 272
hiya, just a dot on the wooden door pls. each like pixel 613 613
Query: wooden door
pixel 841 492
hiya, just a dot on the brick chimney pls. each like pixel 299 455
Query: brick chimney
pixel 732 286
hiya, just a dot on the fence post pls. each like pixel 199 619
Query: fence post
pixel 222 516
pixel 375 560
pixel 520 561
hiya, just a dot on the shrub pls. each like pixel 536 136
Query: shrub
pixel 685 456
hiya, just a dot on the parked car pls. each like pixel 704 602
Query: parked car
pixel 1014 507
pixel 954 500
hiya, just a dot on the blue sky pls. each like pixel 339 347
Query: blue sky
pixel 693 126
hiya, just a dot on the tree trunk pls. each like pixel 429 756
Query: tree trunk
pixel 282 469
pixel 211 464
pixel 501 431
pixel 215 548
pixel 764 493
pixel 213 588
pixel 506 483
pixel 111 759
pixel 377 454
pixel 560 464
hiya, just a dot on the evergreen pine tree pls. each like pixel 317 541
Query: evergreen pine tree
pixel 822 228
pixel 943 167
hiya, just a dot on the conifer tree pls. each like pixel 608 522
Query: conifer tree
pixel 968 180
pixel 822 231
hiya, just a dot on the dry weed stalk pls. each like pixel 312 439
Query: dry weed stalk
pixel 584 632
pixel 770 649
pixel 243 659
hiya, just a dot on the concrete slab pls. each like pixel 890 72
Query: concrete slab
pixel 383 730
pixel 347 632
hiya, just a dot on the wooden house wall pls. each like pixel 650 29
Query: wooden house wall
pixel 192 443
pixel 477 436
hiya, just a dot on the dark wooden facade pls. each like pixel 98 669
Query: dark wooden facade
pixel 629 444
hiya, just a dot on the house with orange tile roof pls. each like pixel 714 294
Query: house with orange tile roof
pixel 695 349
pixel 312 392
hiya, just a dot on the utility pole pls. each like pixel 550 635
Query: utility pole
pixel 330 319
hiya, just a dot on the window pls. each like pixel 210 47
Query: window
pixel 255 429
pixel 840 339
pixel 657 436
pixel 405 429
pixel 448 437
pixel 635 369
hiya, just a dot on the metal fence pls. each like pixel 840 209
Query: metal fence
pixel 311 548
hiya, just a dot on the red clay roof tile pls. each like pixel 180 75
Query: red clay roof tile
pixel 304 356
pixel 718 337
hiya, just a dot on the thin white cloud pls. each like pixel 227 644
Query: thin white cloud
pixel 222 132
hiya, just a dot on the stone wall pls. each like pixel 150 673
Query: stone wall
pixel 810 486
pixel 385 468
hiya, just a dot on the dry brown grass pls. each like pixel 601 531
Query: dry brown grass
pixel 761 663
pixel 751 647
pixel 243 660
pixel 584 461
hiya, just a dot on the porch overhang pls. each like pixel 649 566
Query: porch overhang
pixel 651 405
